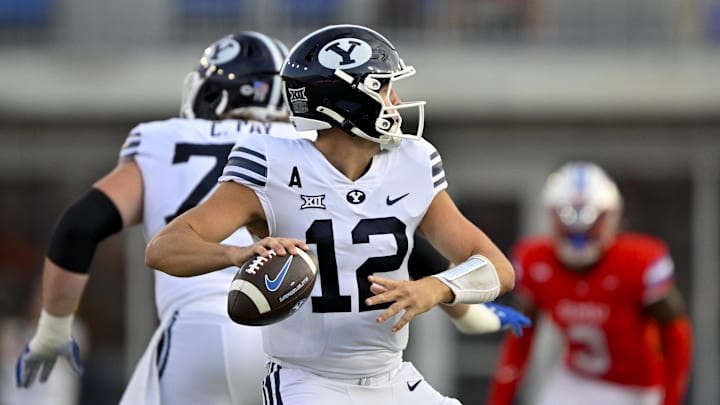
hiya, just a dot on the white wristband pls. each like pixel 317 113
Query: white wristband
pixel 473 281
pixel 52 332
pixel 477 320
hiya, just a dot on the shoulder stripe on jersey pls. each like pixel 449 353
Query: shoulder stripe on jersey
pixel 438 173
pixel 250 152
pixel 131 145
pixel 245 177
pixel 248 164
pixel 658 279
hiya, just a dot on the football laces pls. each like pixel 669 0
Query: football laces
pixel 259 262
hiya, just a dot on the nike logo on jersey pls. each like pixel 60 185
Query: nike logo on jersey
pixel 394 200
pixel 412 387
pixel 274 284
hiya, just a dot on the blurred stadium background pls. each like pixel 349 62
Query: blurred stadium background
pixel 514 89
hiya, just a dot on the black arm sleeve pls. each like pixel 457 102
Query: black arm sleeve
pixel 84 224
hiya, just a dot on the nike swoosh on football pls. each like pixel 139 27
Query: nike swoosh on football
pixel 274 284
pixel 412 387
pixel 393 201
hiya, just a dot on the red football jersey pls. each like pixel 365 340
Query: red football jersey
pixel 601 312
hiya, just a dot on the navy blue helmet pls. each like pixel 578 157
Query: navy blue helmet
pixel 342 76
pixel 237 78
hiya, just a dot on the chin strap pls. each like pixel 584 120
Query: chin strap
pixel 222 104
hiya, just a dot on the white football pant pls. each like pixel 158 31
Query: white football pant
pixel 206 358
pixel 405 386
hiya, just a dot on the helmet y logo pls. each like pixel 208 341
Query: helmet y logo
pixel 222 51
pixel 345 53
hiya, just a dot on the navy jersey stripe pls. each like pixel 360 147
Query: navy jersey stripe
pixel 252 180
pixel 248 164
pixel 437 169
pixel 439 182
pixel 249 152
pixel 132 144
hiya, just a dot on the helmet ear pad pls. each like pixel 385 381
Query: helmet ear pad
pixel 218 99
pixel 358 108
pixel 210 96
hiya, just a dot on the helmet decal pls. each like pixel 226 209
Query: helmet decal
pixel 260 91
pixel 222 51
pixel 345 53
pixel 297 98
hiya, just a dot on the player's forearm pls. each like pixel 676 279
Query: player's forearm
pixel 512 361
pixel 62 289
pixel 677 352
pixel 183 253
pixel 503 268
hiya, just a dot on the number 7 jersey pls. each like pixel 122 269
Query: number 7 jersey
pixel 356 228
pixel 180 161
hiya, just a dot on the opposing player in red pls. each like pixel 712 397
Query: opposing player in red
pixel 611 294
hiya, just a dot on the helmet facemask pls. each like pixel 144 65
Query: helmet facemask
pixel 389 122
pixel 582 234
pixel 585 207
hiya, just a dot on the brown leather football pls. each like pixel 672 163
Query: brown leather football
pixel 266 290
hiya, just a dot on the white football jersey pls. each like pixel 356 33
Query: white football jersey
pixel 356 228
pixel 180 161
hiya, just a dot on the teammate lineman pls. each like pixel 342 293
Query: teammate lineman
pixel 356 196
pixel 197 355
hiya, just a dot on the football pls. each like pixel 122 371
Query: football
pixel 266 290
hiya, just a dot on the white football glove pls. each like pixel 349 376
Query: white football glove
pixel 51 340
